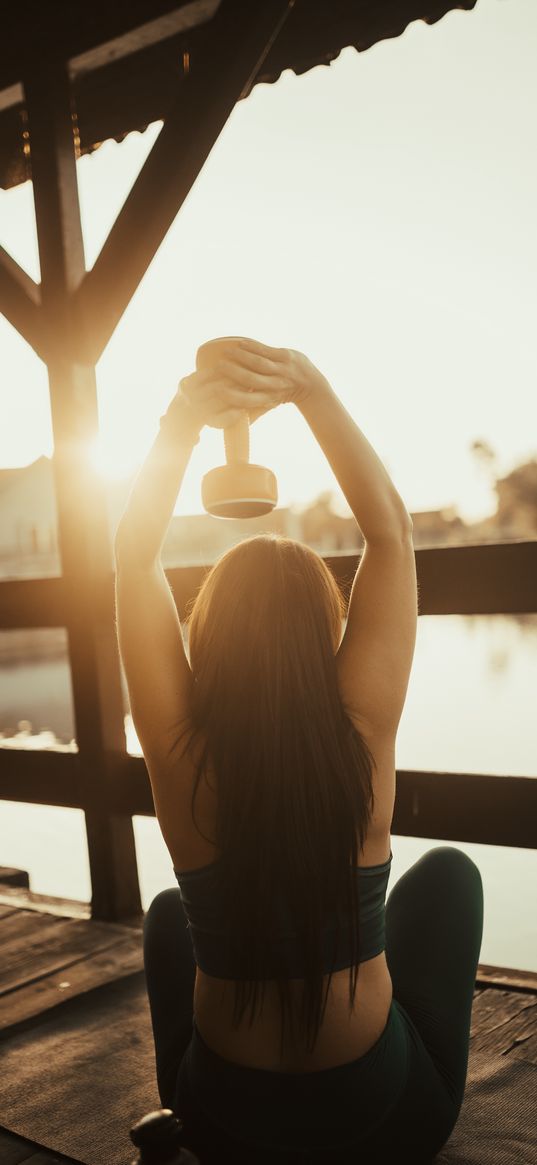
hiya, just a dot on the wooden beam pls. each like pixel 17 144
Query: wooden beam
pixel 453 580
pixel 12 899
pixel 40 777
pixel 11 96
pixel 472 807
pixel 175 19
pixel 20 302
pixel 487 579
pixel 45 602
pixel 32 602
pixel 506 978
pixel 496 578
pixel 206 95
pixel 82 515
pixel 74 32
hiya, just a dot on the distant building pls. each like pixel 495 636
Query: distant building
pixel 29 531
pixel 197 539
pixel 517 501
pixel 326 531
pixel 440 527
pixel 28 522
pixel 29 539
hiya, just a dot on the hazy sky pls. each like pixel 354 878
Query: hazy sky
pixel 378 214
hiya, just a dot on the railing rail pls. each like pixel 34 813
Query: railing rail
pixel 498 578
pixel 492 578
pixel 473 807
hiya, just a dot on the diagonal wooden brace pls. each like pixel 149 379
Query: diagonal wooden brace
pixel 205 97
pixel 20 302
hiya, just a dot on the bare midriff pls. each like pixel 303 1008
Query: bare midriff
pixel 342 1037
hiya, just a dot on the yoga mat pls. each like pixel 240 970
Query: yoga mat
pixel 78 1080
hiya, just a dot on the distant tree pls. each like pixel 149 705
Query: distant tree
pixel 516 492
pixel 322 526
pixel 517 497
pixel 323 501
pixel 484 454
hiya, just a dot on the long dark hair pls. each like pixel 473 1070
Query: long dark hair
pixel 293 774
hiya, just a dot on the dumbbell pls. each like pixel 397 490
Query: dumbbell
pixel 237 489
pixel 158 1137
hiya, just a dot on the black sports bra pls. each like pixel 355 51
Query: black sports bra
pixel 207 923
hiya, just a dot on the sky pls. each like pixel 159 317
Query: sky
pixel 377 214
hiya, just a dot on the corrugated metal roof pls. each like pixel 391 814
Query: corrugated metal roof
pixel 124 57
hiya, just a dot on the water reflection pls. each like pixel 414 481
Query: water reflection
pixel 469 705
pixel 505 634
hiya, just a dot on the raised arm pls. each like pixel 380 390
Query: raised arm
pixel 370 492
pixel 150 640
pixel 375 655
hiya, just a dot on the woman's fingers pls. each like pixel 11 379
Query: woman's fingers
pixel 222 377
pixel 265 380
pixel 221 395
pixel 226 396
pixel 234 385
pixel 279 355
pixel 247 358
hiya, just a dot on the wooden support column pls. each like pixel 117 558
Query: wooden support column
pixel 83 529
pixel 79 312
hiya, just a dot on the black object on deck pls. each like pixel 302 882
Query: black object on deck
pixel 158 1137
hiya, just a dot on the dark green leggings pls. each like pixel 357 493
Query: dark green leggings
pixel 398 1102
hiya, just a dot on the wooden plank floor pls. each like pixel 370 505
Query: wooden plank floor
pixel 17 1151
pixel 504 1023
pixel 50 958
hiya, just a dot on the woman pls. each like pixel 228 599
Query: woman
pixel 301 1019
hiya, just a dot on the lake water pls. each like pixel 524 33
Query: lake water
pixel 470 707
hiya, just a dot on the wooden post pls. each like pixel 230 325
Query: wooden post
pixel 78 314
pixel 83 528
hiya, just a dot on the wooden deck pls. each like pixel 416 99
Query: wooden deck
pixel 18 1151
pixel 56 966
pixel 49 958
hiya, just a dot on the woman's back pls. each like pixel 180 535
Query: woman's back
pixel 342 1037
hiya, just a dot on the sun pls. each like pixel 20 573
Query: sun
pixel 112 462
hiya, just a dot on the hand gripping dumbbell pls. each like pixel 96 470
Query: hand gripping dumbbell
pixel 237 489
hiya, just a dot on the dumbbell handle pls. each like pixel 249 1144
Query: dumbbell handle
pixel 237 441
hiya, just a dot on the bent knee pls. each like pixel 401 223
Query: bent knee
pixel 452 861
pixel 165 903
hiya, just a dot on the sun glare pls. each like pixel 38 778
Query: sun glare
pixel 110 462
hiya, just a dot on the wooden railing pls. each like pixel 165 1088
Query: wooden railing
pixel 492 578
